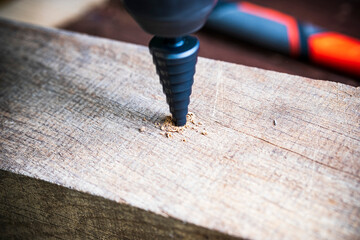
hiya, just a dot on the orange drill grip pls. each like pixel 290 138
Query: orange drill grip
pixel 335 50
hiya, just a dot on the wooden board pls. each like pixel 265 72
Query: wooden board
pixel 33 209
pixel 50 13
pixel 280 159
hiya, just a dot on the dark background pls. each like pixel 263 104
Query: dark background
pixel 112 21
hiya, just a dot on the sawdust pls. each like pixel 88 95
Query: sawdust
pixel 169 130
pixel 204 133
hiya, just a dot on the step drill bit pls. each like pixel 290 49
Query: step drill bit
pixel 175 60
pixel 174 52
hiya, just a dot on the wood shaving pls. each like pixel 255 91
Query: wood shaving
pixel 168 126
pixel 169 129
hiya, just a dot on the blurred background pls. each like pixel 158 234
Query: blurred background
pixel 109 19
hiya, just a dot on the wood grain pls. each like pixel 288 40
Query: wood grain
pixel 35 209
pixel 71 107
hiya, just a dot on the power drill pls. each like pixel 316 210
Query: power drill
pixel 174 52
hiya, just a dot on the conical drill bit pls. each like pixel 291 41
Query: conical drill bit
pixel 175 60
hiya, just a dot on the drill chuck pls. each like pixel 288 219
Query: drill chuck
pixel 170 18
pixel 175 60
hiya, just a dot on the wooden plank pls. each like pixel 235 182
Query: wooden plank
pixel 50 13
pixel 280 159
pixel 35 209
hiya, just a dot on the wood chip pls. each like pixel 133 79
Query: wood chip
pixel 142 129
pixel 204 133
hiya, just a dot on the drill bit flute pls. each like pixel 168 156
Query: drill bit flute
pixel 174 53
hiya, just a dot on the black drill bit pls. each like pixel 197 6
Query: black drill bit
pixel 175 60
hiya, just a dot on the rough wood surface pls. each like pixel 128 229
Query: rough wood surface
pixel 35 209
pixel 280 160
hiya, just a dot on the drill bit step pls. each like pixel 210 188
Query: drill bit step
pixel 175 60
